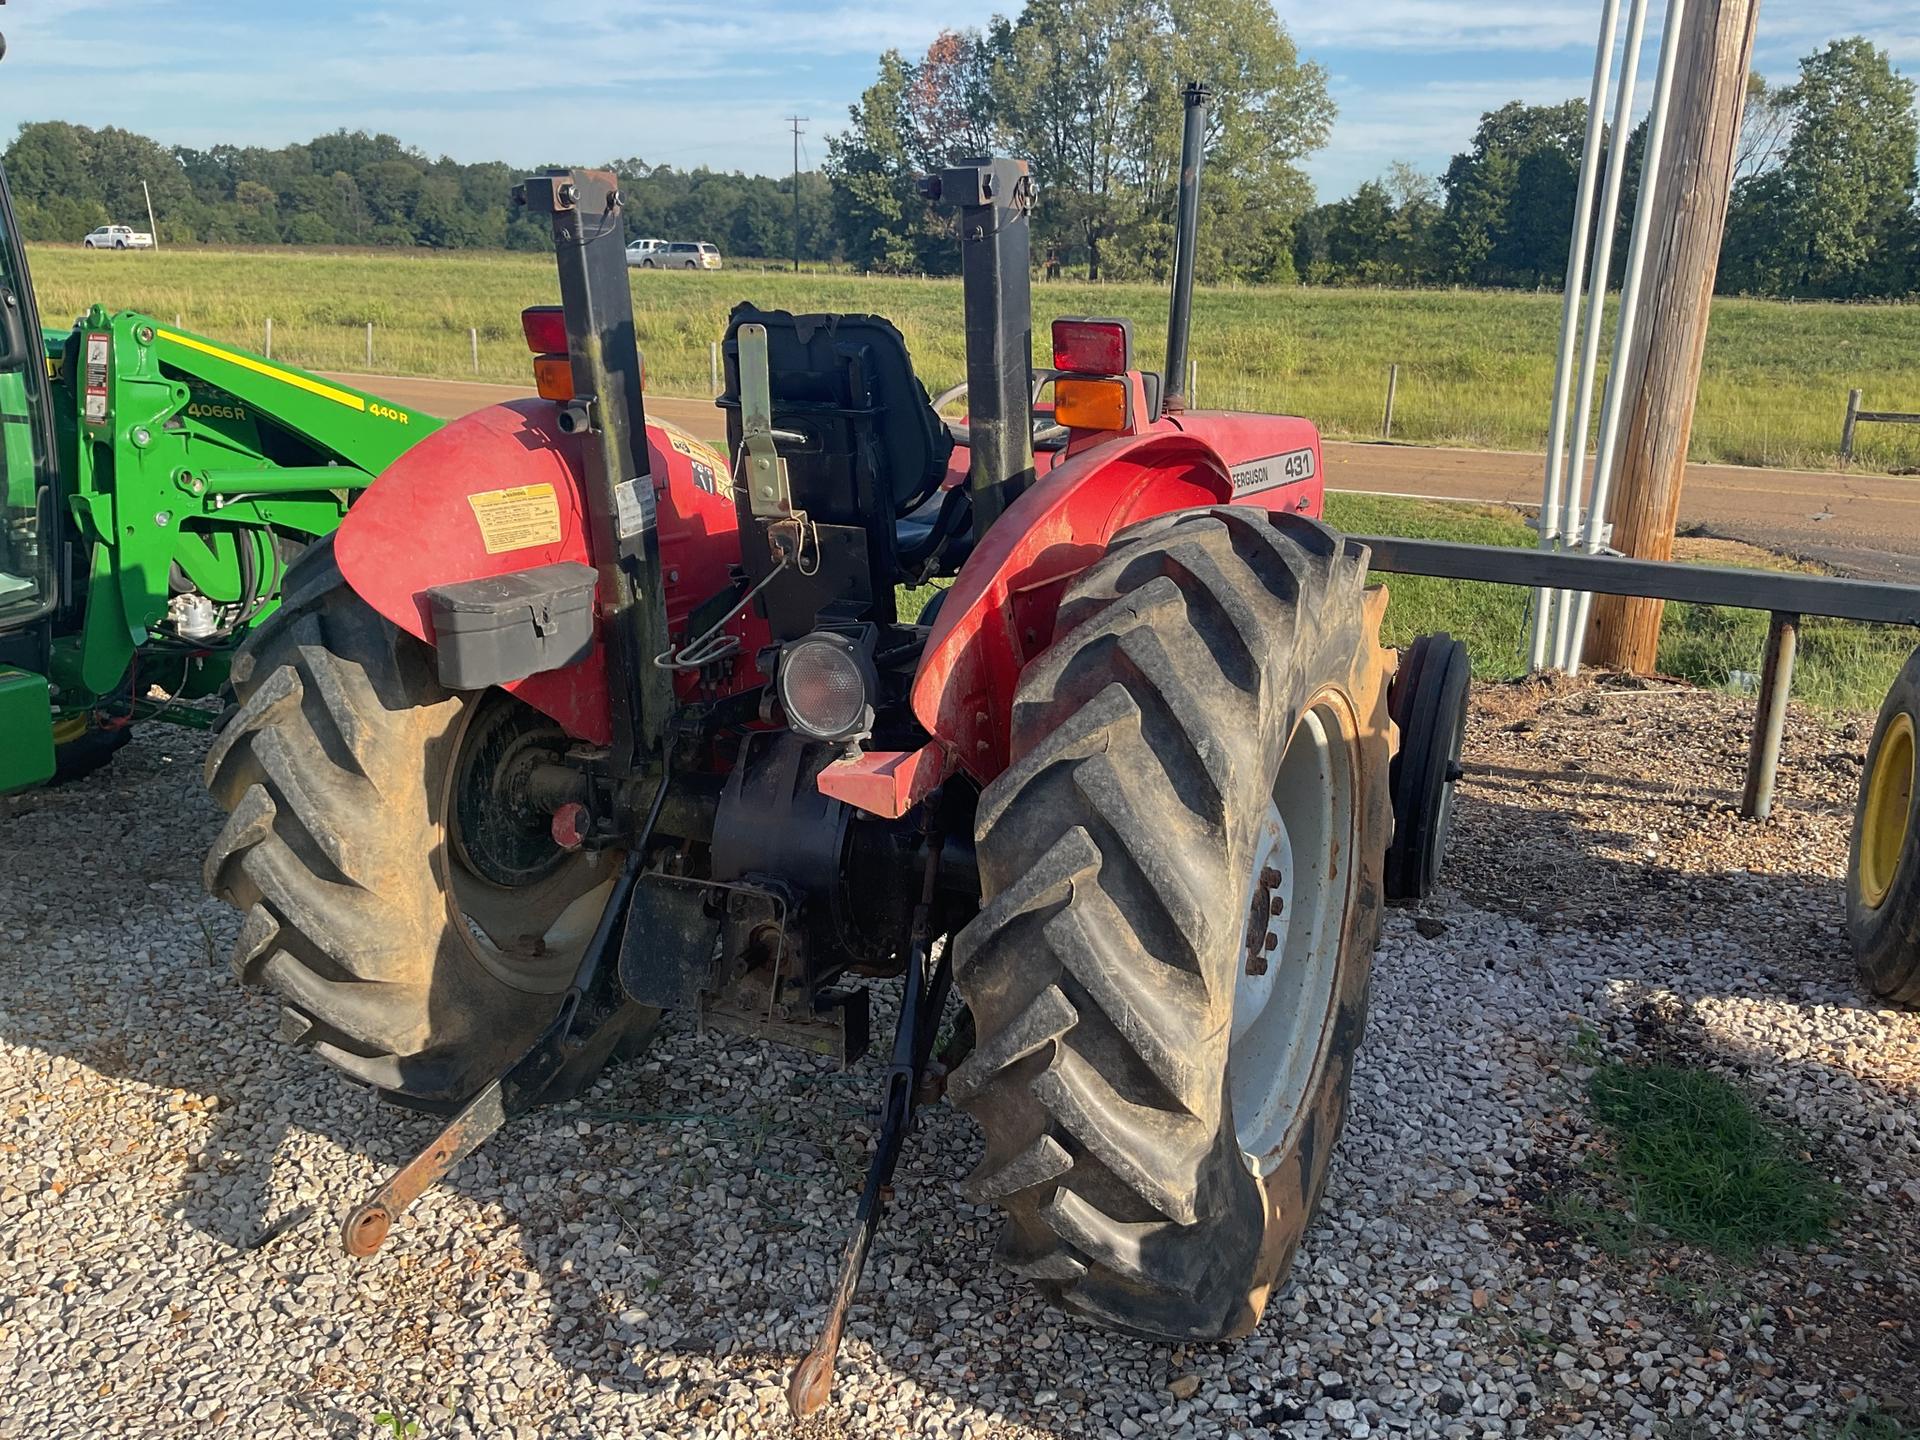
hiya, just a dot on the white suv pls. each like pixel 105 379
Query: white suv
pixel 645 253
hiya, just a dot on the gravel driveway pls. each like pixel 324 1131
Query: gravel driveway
pixel 649 1261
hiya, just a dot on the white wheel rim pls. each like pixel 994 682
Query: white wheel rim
pixel 1294 900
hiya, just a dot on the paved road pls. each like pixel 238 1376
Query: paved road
pixel 1866 526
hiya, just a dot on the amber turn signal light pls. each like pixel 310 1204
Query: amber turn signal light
pixel 553 377
pixel 1090 404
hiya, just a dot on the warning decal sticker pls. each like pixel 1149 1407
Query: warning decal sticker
pixel 708 466
pixel 517 519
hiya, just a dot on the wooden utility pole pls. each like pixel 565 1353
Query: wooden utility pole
pixel 1663 366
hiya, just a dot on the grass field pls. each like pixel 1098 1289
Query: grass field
pixel 1475 367
pixel 1841 665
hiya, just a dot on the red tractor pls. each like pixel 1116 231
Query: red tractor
pixel 576 721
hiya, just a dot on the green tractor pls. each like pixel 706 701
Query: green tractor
pixel 154 487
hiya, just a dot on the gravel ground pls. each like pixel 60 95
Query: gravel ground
pixel 650 1260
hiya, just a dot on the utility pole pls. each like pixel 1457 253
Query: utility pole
pixel 796 121
pixel 1663 364
pixel 152 229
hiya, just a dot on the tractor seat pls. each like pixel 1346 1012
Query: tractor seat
pixel 847 383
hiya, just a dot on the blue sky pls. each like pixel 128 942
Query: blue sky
pixel 694 82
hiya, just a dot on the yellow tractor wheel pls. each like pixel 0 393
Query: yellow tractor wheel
pixel 1883 865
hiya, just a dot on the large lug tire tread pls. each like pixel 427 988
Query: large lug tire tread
pixel 1100 972
pixel 331 766
pixel 1886 937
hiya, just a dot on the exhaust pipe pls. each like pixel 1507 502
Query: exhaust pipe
pixel 1173 384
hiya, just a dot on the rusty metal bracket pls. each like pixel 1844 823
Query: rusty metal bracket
pixel 519 1088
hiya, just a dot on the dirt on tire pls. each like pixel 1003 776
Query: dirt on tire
pixel 1101 971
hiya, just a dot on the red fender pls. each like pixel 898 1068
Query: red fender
pixel 999 614
pixel 418 526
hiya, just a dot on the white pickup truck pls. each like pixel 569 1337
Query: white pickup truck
pixel 117 237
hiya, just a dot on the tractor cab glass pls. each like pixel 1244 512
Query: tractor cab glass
pixel 26 439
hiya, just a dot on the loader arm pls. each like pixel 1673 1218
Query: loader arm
pixel 181 458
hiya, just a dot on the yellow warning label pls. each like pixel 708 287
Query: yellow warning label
pixel 517 519
pixel 701 455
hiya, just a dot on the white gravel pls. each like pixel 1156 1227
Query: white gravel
pixel 651 1260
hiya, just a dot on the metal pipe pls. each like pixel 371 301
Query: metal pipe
pixel 1186 231
pixel 1770 715
pixel 1596 311
pixel 1570 317
pixel 1611 407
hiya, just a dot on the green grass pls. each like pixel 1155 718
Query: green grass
pixel 1841 665
pixel 1690 1157
pixel 1475 367
pixel 1872 1423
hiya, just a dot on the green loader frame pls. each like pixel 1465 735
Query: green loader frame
pixel 154 486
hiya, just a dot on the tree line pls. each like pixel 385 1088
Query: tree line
pixel 1088 92
pixel 1824 200
pixel 351 188
pixel 1823 204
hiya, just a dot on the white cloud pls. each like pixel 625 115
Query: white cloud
pixel 1443 25
pixel 680 80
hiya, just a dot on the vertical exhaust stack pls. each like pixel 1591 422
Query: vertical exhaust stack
pixel 994 198
pixel 1193 143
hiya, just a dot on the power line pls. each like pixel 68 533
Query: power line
pixel 796 121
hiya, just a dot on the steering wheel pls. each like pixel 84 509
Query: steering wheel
pixel 1046 434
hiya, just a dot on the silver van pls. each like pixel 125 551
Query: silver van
pixel 689 255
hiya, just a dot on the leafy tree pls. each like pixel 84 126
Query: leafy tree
pixel 1510 198
pixel 1849 166
pixel 1360 234
pixel 874 167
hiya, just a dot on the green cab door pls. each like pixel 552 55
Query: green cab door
pixel 27 542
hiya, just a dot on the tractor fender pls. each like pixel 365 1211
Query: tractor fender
pixel 999 613
pixel 502 490
pixel 1275 459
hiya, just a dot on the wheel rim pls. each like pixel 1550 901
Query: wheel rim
pixel 1883 830
pixel 524 909
pixel 1294 899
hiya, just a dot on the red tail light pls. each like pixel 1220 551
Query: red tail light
pixel 1092 347
pixel 545 327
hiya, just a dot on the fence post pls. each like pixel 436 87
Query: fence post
pixel 1770 716
pixel 268 352
pixel 1846 427
pixel 713 364
pixel 1193 382
pixel 473 339
pixel 369 345
pixel 176 321
pixel 1393 384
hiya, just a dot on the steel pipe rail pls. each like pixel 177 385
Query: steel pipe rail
pixel 1785 598
pixel 1771 590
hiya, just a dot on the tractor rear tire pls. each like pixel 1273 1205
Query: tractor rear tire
pixel 1883 862
pixel 1201 752
pixel 396 959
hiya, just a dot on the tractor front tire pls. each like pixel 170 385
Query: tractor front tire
pixel 1182 875
pixel 365 908
pixel 1883 862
